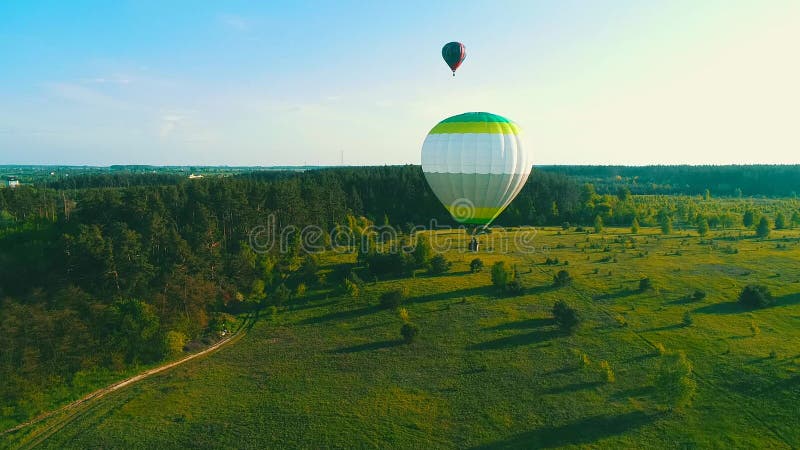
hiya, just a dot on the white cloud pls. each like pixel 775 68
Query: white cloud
pixel 236 22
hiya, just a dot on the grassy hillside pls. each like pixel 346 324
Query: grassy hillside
pixel 495 371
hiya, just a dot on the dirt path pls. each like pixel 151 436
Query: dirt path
pixel 72 409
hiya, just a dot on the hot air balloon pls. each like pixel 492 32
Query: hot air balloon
pixel 454 54
pixel 475 164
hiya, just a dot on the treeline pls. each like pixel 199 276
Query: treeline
pixel 727 181
pixel 102 278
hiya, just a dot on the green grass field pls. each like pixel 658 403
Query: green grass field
pixel 494 371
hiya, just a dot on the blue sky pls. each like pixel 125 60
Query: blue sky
pixel 269 83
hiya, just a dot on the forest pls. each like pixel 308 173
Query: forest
pixel 112 271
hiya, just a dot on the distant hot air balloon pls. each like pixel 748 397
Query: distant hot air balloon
pixel 475 164
pixel 454 54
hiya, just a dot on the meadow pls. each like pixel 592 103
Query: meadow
pixel 492 370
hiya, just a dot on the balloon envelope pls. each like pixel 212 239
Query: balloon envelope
pixel 453 54
pixel 475 164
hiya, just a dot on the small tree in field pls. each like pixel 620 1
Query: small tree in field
pixel 749 218
pixel 393 298
pixel 476 265
pixel 501 275
pixel 763 229
pixel 780 221
pixel 675 381
pixel 598 224
pixel 439 265
pixel 635 226
pixel 702 226
pixel 666 225
pixel 566 317
pixel 755 296
pixel 645 284
pixel 562 278
pixel 409 331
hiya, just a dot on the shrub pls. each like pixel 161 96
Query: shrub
pixel 403 313
pixel 514 287
pixel 598 224
pixel 566 317
pixel 755 296
pixel 565 226
pixel 754 329
pixel 409 331
pixel 282 294
pixel 675 380
pixel 476 265
pixel 351 289
pixel 645 284
pixel 607 372
pixel 660 349
pixel 300 290
pixel 395 263
pixel 501 275
pixel 174 341
pixel 698 295
pixel 393 299
pixel 763 228
pixel 438 265
pixel 562 278
pixel 687 319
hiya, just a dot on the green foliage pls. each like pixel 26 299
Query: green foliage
pixel 763 228
pixel 351 289
pixel 598 224
pixel 675 380
pixel 514 287
pixel 702 226
pixel 749 218
pixel 755 296
pixel 409 332
pixel 698 295
pixel 566 317
pixel 501 275
pixel 666 225
pixel 687 319
pixel 281 295
pixel 635 226
pixel 393 299
pixel 439 265
pixel 476 265
pixel 607 372
pixel 562 278
pixel 174 341
pixel 423 251
pixel 645 284
pixel 780 221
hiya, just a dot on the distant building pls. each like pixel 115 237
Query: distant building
pixel 12 182
pixel 194 177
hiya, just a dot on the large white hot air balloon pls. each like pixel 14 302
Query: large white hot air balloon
pixel 475 164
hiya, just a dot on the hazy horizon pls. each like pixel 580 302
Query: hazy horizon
pixel 238 84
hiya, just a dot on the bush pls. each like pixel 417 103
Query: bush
pixel 698 295
pixel 675 380
pixel 396 263
pixel 566 317
pixel 409 331
pixel 282 294
pixel 562 278
pixel 755 296
pixel 687 319
pixel 501 275
pixel 439 265
pixel 607 372
pixel 514 287
pixel 645 284
pixel 476 265
pixel 393 299
pixel 351 289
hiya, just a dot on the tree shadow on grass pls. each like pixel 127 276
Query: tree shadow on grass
pixel 341 315
pixel 618 294
pixel 721 308
pixel 522 324
pixel 516 340
pixel 449 295
pixel 574 387
pixel 581 432
pixel 674 326
pixel 369 346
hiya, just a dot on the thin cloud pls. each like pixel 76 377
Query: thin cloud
pixel 235 22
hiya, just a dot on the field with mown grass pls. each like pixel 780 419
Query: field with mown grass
pixel 489 370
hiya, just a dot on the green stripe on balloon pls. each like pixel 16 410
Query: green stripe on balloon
pixel 475 127
pixel 476 117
